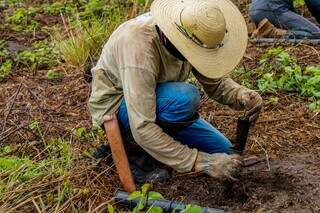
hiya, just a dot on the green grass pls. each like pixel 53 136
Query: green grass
pixel 21 176
pixel 91 28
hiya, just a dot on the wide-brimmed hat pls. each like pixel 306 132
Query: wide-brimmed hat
pixel 211 34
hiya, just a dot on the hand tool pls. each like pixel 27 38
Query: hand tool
pixel 119 154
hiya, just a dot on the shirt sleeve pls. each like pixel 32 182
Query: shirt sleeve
pixel 104 97
pixel 223 90
pixel 138 70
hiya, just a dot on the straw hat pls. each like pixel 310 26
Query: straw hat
pixel 210 34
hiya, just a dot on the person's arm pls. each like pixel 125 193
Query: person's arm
pixel 228 92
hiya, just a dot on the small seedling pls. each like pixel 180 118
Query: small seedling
pixel 5 69
pixel 52 75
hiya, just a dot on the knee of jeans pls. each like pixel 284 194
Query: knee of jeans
pixel 223 147
pixel 190 97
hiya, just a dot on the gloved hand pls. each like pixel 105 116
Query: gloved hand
pixel 221 166
pixel 252 103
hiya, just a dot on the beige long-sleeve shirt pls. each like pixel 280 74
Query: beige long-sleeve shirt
pixel 131 64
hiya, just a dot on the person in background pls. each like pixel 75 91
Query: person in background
pixel 278 18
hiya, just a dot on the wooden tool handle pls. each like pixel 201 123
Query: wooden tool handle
pixel 119 154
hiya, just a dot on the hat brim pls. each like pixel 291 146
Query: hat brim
pixel 212 63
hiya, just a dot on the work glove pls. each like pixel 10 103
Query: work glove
pixel 252 103
pixel 220 166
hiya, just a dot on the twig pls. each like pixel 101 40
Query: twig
pixel 266 153
pixel 7 135
pixel 36 205
pixel 314 126
pixel 35 97
pixel 101 205
pixel 11 106
pixel 21 204
pixel 278 119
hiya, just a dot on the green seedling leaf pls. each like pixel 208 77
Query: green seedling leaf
pixel 5 69
pixel 135 195
pixel 110 208
pixel 51 75
pixel 314 106
pixel 34 125
pixel 155 196
pixel 273 100
pixel 145 188
pixel 155 209
pixel 195 209
pixel 79 132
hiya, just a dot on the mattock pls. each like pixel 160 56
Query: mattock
pixel 119 154
pixel 243 127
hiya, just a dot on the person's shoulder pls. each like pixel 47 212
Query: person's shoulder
pixel 141 28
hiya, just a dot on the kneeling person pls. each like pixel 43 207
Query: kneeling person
pixel 140 78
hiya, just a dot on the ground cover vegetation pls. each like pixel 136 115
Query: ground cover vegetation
pixel 46 139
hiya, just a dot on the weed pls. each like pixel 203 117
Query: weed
pixel 315 105
pixel 272 100
pixel 52 75
pixel 279 71
pixel 19 173
pixel 93 8
pixel 96 133
pixel 57 8
pixel 4 53
pixel 5 150
pixel 111 208
pixel 42 56
pixel 5 69
pixel 22 19
pixel 298 3
pixel 91 30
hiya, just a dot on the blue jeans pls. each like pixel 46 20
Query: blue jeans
pixel 177 102
pixel 282 15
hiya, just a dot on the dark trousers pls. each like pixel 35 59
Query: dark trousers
pixel 282 15
pixel 314 8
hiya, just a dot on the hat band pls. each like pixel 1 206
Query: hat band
pixel 194 38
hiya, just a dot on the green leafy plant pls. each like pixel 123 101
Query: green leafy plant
pixel 279 71
pixel 22 172
pixel 110 208
pixel 298 3
pixel 41 56
pixel 22 19
pixel 57 8
pixel 52 75
pixel 96 133
pixel 5 69
pixel 143 196
pixel 192 209
pixel 315 105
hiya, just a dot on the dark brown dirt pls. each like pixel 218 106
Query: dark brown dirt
pixel 291 185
